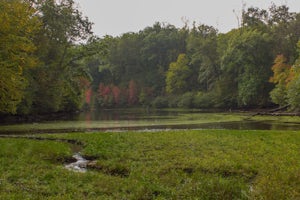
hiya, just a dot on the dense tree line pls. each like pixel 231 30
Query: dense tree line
pixel 40 59
pixel 198 67
pixel 45 69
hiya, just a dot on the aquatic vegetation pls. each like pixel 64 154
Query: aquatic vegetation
pixel 132 120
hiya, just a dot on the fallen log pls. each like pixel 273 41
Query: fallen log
pixel 279 109
pixel 275 114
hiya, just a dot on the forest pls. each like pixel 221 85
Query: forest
pixel 52 62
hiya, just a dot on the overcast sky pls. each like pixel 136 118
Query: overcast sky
pixel 115 17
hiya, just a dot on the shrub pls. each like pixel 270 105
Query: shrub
pixel 293 94
pixel 186 100
pixel 173 101
pixel 160 102
pixel 203 100
pixel 279 95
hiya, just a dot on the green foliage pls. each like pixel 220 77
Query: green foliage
pixel 186 100
pixel 232 69
pixel 293 95
pixel 204 100
pixel 18 26
pixel 146 96
pixel 254 17
pixel 143 98
pixel 160 102
pixel 285 31
pixel 162 43
pixel 177 75
pixel 293 87
pixel 125 57
pixel 41 67
pixel 43 63
pixel 249 91
pixel 202 47
pixel 279 95
pixel 61 69
pixel 247 61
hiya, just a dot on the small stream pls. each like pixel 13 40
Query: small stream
pixel 80 165
pixel 132 120
pixel 77 164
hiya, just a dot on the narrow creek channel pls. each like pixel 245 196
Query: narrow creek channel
pixel 80 165
pixel 77 164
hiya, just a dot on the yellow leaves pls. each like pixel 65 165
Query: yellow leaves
pixel 11 89
pixel 18 18
pixel 18 28
pixel 282 71
pixel 177 75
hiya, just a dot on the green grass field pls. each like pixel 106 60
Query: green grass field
pixel 202 164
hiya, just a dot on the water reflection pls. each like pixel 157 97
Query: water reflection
pixel 242 125
pixel 129 114
pixel 131 117
pixel 88 118
pixel 255 125
pixel 143 119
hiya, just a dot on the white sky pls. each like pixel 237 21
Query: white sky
pixel 115 17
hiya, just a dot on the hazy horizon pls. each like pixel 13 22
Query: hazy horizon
pixel 118 17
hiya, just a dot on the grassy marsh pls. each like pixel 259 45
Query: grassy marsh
pixel 199 164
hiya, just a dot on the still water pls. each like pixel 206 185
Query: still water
pixel 188 119
pixel 143 119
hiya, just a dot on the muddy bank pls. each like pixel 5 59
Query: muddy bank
pixel 69 141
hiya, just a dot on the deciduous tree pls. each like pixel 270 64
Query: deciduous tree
pixel 18 27
pixel 177 75
pixel 61 58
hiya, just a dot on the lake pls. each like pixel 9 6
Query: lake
pixel 145 120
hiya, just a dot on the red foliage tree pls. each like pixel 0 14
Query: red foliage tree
pixel 116 94
pixel 84 84
pixel 106 94
pixel 101 90
pixel 106 91
pixel 88 95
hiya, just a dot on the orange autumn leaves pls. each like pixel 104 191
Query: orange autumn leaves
pixel 283 72
pixel 286 80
